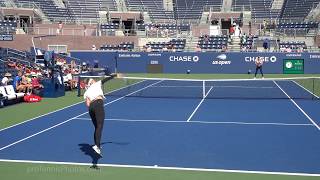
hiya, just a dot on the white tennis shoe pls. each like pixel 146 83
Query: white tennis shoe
pixel 97 149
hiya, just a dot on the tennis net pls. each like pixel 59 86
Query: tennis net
pixel 275 88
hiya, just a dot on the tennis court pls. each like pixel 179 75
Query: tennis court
pixel 251 126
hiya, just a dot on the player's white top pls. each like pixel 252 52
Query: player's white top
pixel 259 62
pixel 94 91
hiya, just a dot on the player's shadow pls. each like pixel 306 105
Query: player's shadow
pixel 87 150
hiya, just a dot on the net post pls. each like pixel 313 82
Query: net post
pixel 203 89
pixel 79 88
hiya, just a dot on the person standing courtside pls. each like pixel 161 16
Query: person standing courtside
pixel 259 63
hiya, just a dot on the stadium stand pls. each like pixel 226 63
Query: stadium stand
pixel 50 9
pixel 259 9
pixel 296 28
pixel 247 42
pixel 109 28
pixel 165 29
pixel 213 43
pixel 8 27
pixel 89 9
pixel 185 10
pixel 153 7
pixel 292 46
pixel 124 46
pixel 297 9
pixel 176 45
pixel 192 9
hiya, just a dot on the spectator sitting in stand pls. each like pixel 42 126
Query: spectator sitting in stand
pixel 36 86
pixel 165 49
pixel 198 49
pixel 173 49
pixel 69 80
pixel 11 64
pixel 16 82
pixel 26 84
pixel 6 79
pixel 149 49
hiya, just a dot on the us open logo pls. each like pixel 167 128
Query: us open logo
pixel 221 60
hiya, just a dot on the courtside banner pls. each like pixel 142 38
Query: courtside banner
pixel 202 62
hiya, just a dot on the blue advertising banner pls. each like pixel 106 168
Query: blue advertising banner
pixel 209 62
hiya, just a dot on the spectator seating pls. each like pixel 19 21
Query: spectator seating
pixel 247 44
pixel 294 46
pixel 259 9
pixel 124 46
pixel 140 26
pixel 177 44
pixel 50 9
pixel 296 28
pixel 2 68
pixel 181 27
pixel 8 27
pixel 89 8
pixel 107 26
pixel 306 25
pixel 154 7
pixel 192 9
pixel 213 42
pixel 298 9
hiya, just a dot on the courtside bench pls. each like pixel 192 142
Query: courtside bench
pixel 8 95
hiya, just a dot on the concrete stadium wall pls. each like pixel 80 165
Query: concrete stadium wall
pixel 23 42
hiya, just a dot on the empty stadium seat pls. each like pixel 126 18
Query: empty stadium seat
pixel 8 27
pixel 259 9
pixel 177 44
pixel 124 46
pixel 294 9
pixel 213 42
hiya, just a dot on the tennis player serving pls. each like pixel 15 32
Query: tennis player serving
pixel 94 101
pixel 259 63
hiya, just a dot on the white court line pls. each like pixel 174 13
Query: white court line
pixel 40 116
pixel 298 106
pixel 305 89
pixel 62 108
pixel 195 110
pixel 40 132
pixel 28 137
pixel 200 122
pixel 166 168
pixel 244 87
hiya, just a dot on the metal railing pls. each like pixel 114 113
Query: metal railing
pixel 63 31
pixel 16 52
pixel 20 60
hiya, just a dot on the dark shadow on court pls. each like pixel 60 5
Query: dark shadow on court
pixel 87 150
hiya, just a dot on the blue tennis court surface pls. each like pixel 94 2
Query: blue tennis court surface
pixel 218 131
